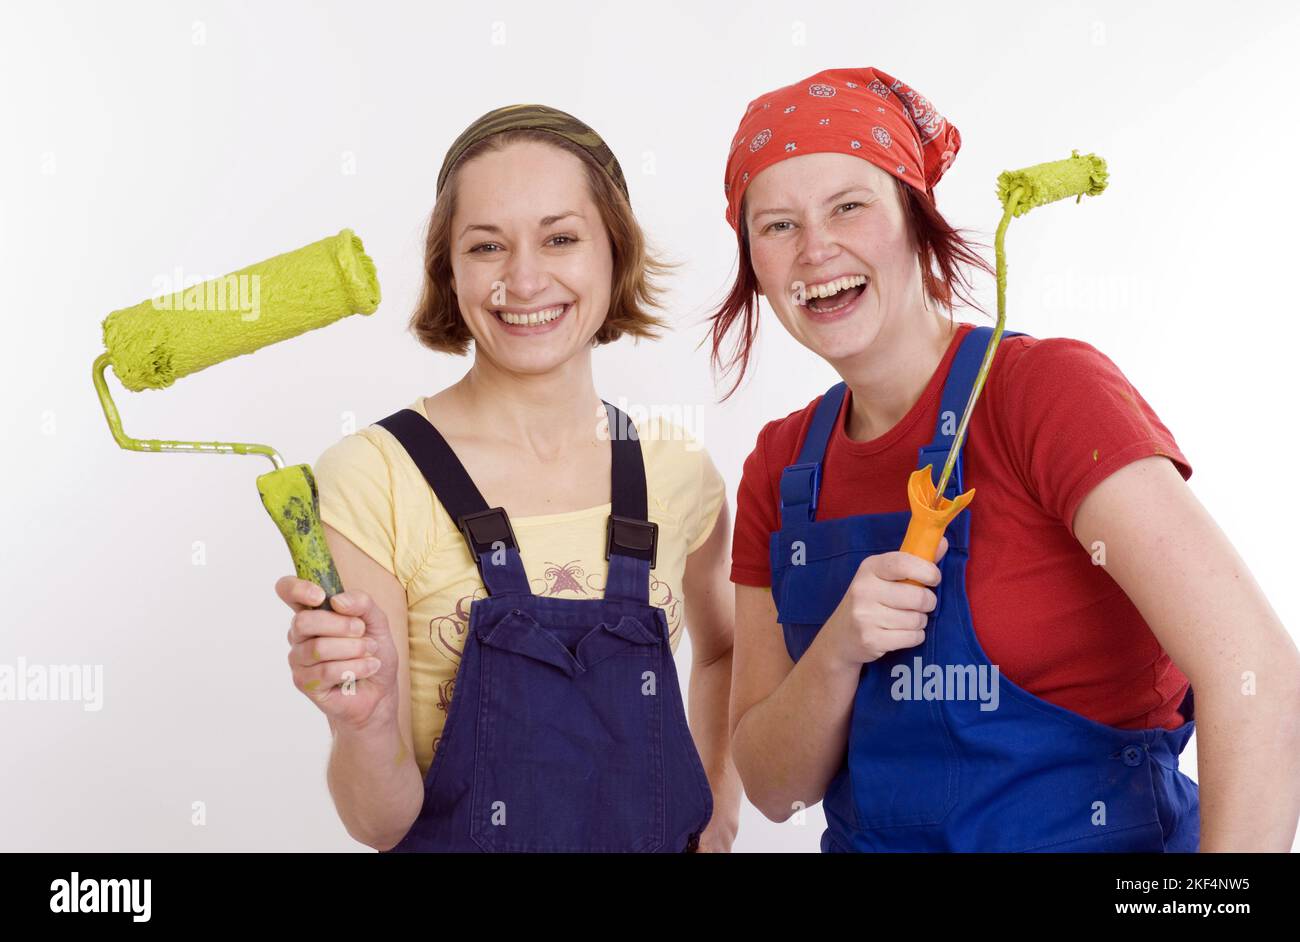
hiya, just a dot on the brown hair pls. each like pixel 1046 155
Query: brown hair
pixel 437 322
pixel 937 244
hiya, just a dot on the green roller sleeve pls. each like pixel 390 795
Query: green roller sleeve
pixel 155 342
pixel 290 497
pixel 1076 176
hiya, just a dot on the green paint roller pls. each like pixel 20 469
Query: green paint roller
pixel 156 342
pixel 1019 191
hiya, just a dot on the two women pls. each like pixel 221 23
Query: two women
pixel 1030 690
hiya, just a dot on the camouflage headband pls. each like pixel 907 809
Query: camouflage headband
pixel 515 117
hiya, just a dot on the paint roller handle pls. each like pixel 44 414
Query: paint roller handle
pixel 290 497
pixel 930 516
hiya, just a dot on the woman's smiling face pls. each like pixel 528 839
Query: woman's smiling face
pixel 531 260
pixel 822 222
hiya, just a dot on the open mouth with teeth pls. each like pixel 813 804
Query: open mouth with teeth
pixel 535 319
pixel 835 295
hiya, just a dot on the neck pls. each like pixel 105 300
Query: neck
pixel 889 377
pixel 543 413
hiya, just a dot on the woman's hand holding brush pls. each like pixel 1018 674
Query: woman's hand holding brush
pixel 880 611
pixel 344 660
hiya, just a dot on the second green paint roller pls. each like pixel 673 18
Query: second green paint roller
pixel 1019 191
pixel 152 344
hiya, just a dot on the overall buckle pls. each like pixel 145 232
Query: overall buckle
pixel 936 456
pixel 636 538
pixel 483 528
pixel 800 483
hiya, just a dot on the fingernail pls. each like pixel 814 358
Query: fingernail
pixel 372 664
pixel 371 645
pixel 358 626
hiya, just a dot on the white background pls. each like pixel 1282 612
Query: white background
pixel 143 137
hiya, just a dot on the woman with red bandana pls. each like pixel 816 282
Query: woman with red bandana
pixel 1032 690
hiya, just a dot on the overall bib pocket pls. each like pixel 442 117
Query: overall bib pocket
pixel 570 752
pixel 892 781
pixel 903 764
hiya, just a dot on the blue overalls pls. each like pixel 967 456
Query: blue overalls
pixel 927 768
pixel 566 730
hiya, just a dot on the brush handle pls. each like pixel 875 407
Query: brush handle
pixel 290 497
pixel 928 523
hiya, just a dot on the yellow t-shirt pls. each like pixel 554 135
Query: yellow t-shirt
pixel 373 493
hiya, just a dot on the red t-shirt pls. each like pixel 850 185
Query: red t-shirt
pixel 1055 418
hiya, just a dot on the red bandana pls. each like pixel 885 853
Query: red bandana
pixel 863 112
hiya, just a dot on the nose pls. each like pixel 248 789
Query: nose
pixel 816 246
pixel 525 275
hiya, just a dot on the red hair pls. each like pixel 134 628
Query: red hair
pixel 943 251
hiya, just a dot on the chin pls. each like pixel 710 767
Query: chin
pixel 849 339
pixel 533 358
pixel 534 363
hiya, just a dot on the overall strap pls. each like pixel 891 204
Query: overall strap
pixel 631 540
pixel 956 393
pixel 487 531
pixel 801 481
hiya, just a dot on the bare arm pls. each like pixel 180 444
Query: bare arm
pixel 373 776
pixel 710 620
pixel 1166 552
pixel 790 721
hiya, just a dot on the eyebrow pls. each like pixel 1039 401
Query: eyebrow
pixel 830 199
pixel 545 221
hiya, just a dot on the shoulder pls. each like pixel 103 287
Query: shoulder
pixel 370 469
pixel 779 440
pixel 379 443
pixel 683 486
pixel 1051 359
pixel 1034 377
pixel 677 464
pixel 1068 417
pixel 358 453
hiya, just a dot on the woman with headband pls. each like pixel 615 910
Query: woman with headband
pixel 1033 690
pixel 520 556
